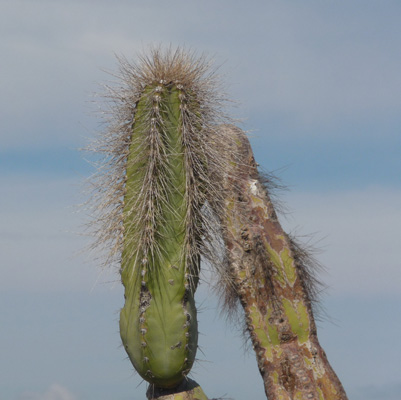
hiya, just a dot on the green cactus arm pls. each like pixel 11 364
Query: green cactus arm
pixel 158 322
pixel 272 288
pixel 154 201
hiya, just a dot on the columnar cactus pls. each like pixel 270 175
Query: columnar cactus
pixel 155 189
pixel 158 322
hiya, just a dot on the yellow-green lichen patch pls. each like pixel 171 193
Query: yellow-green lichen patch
pixel 199 394
pixel 308 362
pixel 321 395
pixel 333 389
pixel 257 201
pixel 315 364
pixel 275 259
pixel 281 393
pixel 264 341
pixel 238 142
pixel 304 320
pixel 272 330
pixel 289 266
pixel 261 282
pixel 278 351
pixel 260 332
pixel 230 205
pixel 242 274
pixel 298 318
pixel 273 335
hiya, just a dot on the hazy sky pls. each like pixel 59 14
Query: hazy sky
pixel 317 84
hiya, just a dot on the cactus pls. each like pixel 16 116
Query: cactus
pixel 274 281
pixel 158 322
pixel 154 192
pixel 173 181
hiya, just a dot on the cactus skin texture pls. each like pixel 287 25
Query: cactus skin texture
pixel 158 322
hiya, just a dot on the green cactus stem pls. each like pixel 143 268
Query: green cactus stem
pixel 158 322
pixel 152 193
pixel 274 287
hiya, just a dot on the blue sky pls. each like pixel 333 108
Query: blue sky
pixel 317 84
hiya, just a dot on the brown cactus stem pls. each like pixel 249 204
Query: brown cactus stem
pixel 268 279
pixel 187 390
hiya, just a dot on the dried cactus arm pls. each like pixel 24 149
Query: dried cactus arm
pixel 272 289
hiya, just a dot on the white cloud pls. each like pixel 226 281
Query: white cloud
pixel 54 392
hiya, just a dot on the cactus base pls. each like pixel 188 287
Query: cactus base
pixel 187 390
